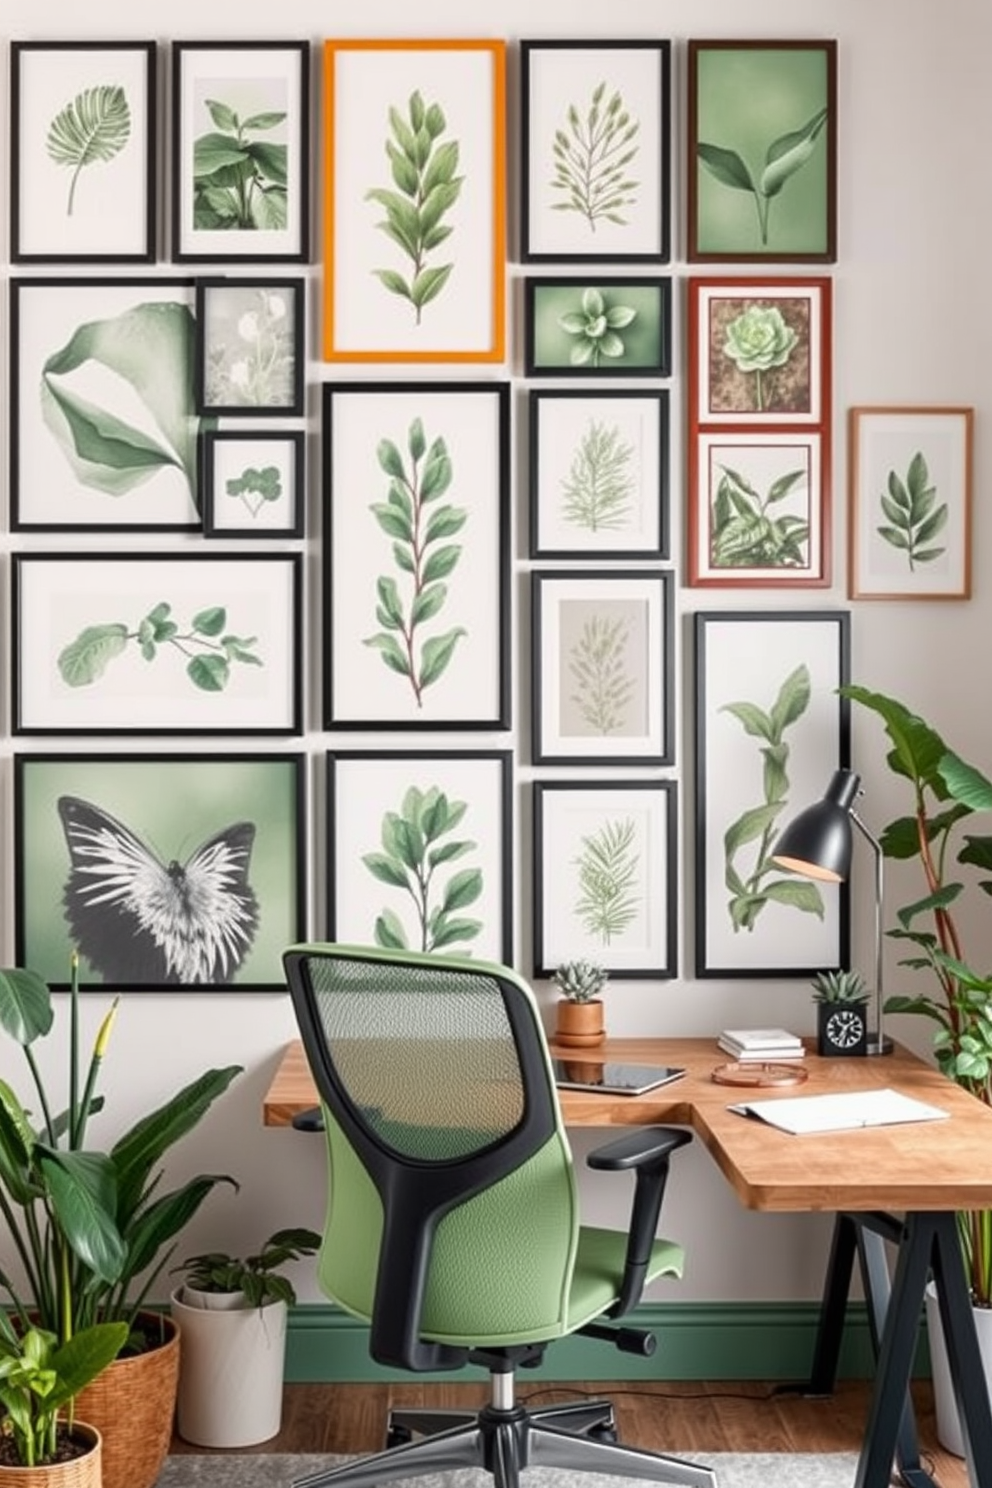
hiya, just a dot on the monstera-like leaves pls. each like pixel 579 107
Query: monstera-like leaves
pixel 94 127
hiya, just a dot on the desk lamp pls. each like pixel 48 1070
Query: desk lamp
pixel 818 843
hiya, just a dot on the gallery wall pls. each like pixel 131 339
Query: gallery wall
pixel 912 326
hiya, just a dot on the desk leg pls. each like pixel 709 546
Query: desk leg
pixel 833 1306
pixel 963 1354
pixel 878 1287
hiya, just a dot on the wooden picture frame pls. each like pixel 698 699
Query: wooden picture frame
pixel 241 151
pixel 597 327
pixel 770 731
pixel 105 846
pixel 910 502
pixel 83 121
pixel 762 151
pixel 606 876
pixel 253 483
pixel 250 353
pixel 405 279
pixel 595 161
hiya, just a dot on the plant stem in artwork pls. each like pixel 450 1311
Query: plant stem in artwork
pixel 784 157
pixel 598 666
pixel 745 532
pixel 913 516
pixel 209 648
pixel 597 491
pixel 608 886
pixel 416 845
pixel 591 157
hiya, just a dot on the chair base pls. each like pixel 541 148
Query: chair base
pixel 504 1439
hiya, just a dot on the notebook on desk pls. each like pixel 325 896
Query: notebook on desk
pixel 612 1077
pixel 846 1111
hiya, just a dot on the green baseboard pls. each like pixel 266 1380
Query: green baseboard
pixel 696 1340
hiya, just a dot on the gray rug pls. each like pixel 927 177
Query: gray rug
pixel 733 1470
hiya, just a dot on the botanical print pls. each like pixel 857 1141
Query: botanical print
pixel 604 689
pixel 416 847
pixel 250 349
pixel 423 166
pixel 913 516
pixel 759 353
pixel 758 494
pixel 596 328
pixel 607 880
pixel 597 494
pixel 783 158
pixel 594 153
pixel 253 488
pixel 253 483
pixel 240 161
pixel 204 643
pixel 93 127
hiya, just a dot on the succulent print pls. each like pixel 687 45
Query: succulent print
pixel 608 883
pixel 784 157
pixel 596 495
pixel 759 340
pixel 591 156
pixel 913 516
pixel 595 327
pixel 93 128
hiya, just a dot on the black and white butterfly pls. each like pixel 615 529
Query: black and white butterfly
pixel 139 920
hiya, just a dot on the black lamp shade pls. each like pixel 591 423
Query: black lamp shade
pixel 819 841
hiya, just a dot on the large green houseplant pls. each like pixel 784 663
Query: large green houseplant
pixel 946 792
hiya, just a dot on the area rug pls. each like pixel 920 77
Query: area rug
pixel 733 1470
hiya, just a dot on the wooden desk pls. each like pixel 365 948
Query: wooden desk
pixel 923 1171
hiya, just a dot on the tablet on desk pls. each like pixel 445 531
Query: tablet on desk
pixel 613 1078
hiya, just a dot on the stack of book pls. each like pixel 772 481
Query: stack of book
pixel 761 1044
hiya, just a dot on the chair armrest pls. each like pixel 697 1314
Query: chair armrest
pixel 647 1151
pixel 309 1121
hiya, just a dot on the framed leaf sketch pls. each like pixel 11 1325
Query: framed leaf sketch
pixel 599 474
pixel 759 510
pixel 165 872
pixel 82 171
pixel 770 732
pixel 240 151
pixel 910 490
pixel 606 876
pixel 414 200
pixel 151 642
pixel 250 351
pixel 759 352
pixel 253 482
pixel 596 151
pixel 103 419
pixel 420 851
pixel 602 679
pixel 762 148
pixel 416 517
pixel 597 328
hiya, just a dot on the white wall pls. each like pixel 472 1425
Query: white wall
pixel 913 324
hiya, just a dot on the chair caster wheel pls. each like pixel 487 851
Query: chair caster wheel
pixel 604 1433
pixel 398 1436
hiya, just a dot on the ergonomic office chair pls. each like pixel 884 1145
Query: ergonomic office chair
pixel 452 1223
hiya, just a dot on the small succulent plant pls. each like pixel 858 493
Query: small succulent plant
pixel 839 986
pixel 579 981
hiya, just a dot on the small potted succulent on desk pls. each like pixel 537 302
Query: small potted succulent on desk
pixel 232 1314
pixel 842 1020
pixel 579 1022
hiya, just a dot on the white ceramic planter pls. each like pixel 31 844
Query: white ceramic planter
pixel 230 1370
pixel 948 1422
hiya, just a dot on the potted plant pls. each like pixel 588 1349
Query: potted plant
pixel 38 1379
pixel 580 1022
pixel 93 1230
pixel 841 1022
pixel 945 792
pixel 232 1313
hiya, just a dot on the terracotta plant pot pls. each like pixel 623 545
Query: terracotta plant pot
pixel 580 1024
pixel 78 1472
pixel 132 1404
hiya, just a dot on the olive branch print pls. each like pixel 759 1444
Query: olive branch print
pixel 597 663
pixel 597 491
pixel 421 553
pixel 423 171
pixel 412 853
pixel 607 879
pixel 753 887
pixel 914 518
pixel 208 648
pixel 94 127
pixel 591 156
pixel 783 158
pixel 744 533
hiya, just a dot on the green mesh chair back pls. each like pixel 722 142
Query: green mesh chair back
pixel 448 1160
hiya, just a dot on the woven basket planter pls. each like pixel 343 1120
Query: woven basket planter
pixel 80 1472
pixel 132 1404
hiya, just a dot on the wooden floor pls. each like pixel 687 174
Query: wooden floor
pixel 693 1417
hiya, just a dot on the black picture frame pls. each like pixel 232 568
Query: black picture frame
pixel 572 326
pixel 249 364
pixel 770 730
pixel 272 496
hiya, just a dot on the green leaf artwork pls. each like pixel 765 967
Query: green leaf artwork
pixel 784 157
pixel 744 530
pixel 239 174
pixel 608 881
pixel 422 554
pixel 595 326
pixel 423 169
pixel 256 366
pixel 416 844
pixel 760 883
pixel 597 664
pixel 253 488
pixel 592 154
pixel 759 340
pixel 149 346
pixel 596 494
pixel 93 128
pixel 208 649
pixel 913 517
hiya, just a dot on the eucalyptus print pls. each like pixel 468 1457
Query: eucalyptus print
pixel 592 154
pixel 93 127
pixel 783 158
pixel 596 494
pixel 759 882
pixel 423 169
pixel 423 556
pixel 608 880
pixel 913 516
pixel 746 532
pixel 209 649
pixel 603 683
pixel 416 845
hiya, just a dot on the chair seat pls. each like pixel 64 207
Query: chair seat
pixel 599 1268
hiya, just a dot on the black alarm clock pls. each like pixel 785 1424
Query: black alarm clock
pixel 842 1028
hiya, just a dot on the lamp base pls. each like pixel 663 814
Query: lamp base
pixel 879 1043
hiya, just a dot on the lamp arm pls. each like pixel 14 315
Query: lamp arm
pixel 876 848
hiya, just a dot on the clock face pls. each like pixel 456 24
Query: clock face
pixel 845 1028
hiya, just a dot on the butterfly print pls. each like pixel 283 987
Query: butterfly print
pixel 139 920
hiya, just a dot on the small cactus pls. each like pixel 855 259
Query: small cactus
pixel 839 986
pixel 579 981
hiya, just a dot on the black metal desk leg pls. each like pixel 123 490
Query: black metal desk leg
pixel 963 1354
pixel 875 1275
pixel 833 1307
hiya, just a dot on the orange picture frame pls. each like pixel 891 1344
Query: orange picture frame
pixel 414 200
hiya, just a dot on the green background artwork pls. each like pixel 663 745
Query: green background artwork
pixel 747 98
pixel 642 338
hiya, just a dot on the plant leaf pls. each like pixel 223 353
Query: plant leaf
pixel 726 165
pixel 437 653
pixel 25 1005
pixel 789 153
pixel 86 658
